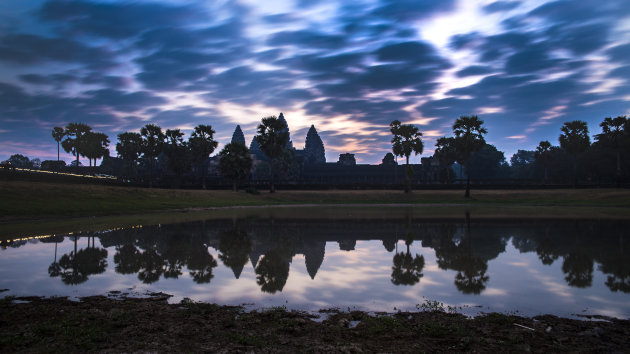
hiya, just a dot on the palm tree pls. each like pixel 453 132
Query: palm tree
pixel 152 144
pixel 544 155
pixel 273 136
pixel 129 148
pixel 575 140
pixel 235 162
pixel 468 139
pixel 75 134
pixel 96 145
pixel 58 133
pixel 272 272
pixel 405 141
pixel 202 144
pixel 613 135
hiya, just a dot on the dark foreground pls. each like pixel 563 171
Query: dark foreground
pixel 103 324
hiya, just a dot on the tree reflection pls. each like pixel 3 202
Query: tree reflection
pixel 77 266
pixel 407 270
pixel 127 259
pixel 578 269
pixel 272 272
pixel 200 264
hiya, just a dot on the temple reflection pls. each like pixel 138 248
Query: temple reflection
pixel 269 246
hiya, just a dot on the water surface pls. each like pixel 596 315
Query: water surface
pixel 534 266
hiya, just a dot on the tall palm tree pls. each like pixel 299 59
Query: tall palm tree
pixel 575 140
pixel 406 140
pixel 273 136
pixel 58 133
pixel 613 135
pixel 96 146
pixel 202 144
pixel 544 156
pixel 74 143
pixel 468 139
pixel 152 144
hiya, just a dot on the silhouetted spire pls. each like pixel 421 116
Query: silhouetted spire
pixel 314 151
pixel 314 257
pixel 281 118
pixel 238 136
pixel 254 149
pixel 237 270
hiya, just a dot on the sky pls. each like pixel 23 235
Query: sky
pixel 347 67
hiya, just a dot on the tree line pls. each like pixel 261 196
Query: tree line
pixel 576 158
pixel 152 153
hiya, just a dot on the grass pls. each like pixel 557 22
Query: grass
pixel 38 208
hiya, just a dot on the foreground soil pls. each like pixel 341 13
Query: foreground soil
pixel 103 324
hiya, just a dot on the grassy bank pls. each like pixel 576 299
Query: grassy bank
pixel 152 325
pixel 31 200
pixel 37 208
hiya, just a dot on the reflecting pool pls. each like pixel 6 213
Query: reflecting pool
pixel 342 259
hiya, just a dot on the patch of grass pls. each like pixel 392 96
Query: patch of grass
pixel 381 324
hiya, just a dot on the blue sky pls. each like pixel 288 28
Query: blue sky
pixel 349 68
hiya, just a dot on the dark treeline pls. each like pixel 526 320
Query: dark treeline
pixel 466 247
pixel 165 158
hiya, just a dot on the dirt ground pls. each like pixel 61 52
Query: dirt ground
pixel 105 324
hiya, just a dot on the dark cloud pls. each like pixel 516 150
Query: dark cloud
pixel 500 6
pixel 31 49
pixel 413 51
pixel 620 53
pixel 122 101
pixel 405 10
pixel 531 60
pixel 381 112
pixel 116 20
pixel 309 39
pixel 54 79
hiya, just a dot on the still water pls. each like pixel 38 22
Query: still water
pixel 534 266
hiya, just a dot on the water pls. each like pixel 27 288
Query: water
pixel 533 266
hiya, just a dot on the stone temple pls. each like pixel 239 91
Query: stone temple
pixel 313 152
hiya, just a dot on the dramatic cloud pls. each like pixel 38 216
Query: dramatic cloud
pixel 524 67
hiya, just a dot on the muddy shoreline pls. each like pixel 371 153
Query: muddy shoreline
pixel 107 324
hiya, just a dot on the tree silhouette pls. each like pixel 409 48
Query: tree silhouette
pixel 152 266
pixel 127 259
pixel 58 133
pixel 407 270
pixel 235 162
pixel 578 269
pixel 272 272
pixel 152 145
pixel 77 266
pixel 574 140
pixel 614 136
pixel 129 148
pixel 405 140
pixel 544 155
pixel 201 264
pixel 273 136
pixel 74 142
pixel 177 152
pixel 202 144
pixel 96 145
pixel 446 153
pixel 54 270
pixel 468 139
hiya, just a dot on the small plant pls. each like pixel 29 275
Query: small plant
pixel 432 306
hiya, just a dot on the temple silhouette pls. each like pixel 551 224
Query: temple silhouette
pixel 309 166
